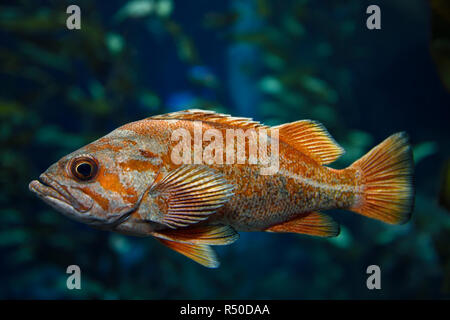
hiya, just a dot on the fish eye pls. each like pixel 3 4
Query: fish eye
pixel 84 168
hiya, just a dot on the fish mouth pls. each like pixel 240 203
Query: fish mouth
pixel 57 196
pixel 54 193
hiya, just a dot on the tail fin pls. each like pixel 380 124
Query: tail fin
pixel 386 174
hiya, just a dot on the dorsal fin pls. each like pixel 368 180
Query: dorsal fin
pixel 307 136
pixel 312 139
pixel 211 116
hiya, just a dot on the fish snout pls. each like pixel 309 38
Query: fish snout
pixel 49 189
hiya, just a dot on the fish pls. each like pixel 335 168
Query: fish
pixel 132 181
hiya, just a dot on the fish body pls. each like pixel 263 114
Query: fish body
pixel 132 181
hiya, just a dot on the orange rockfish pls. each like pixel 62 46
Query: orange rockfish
pixel 132 181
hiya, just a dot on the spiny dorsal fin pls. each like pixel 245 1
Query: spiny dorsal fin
pixel 307 136
pixel 312 139
pixel 211 116
pixel 211 235
pixel 200 253
pixel 314 223
pixel 192 193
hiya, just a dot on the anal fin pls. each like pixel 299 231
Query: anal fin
pixel 314 223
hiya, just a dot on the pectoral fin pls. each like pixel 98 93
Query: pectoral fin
pixel 314 223
pixel 210 235
pixel 191 194
pixel 200 253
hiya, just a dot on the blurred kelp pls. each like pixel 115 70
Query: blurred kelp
pixel 277 61
pixel 298 71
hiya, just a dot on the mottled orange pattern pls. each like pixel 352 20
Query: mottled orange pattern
pixel 138 188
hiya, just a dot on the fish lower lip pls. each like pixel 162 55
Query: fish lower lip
pixel 64 193
pixel 43 189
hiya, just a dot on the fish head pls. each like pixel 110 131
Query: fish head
pixel 100 184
